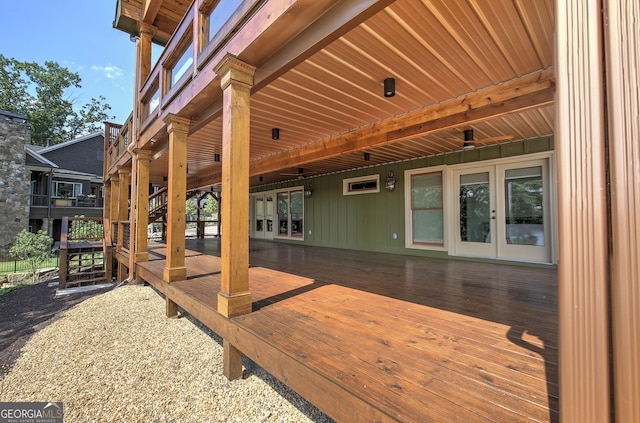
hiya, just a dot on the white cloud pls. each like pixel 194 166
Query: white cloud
pixel 110 71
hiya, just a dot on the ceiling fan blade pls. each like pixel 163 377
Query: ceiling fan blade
pixel 300 172
pixel 482 140
pixel 494 139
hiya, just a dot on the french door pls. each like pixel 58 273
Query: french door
pixel 263 216
pixel 503 211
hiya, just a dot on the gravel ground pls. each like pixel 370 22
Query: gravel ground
pixel 116 357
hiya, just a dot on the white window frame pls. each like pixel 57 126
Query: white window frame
pixel 409 210
pixel 346 185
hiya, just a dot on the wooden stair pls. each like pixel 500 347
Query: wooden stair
pixel 82 252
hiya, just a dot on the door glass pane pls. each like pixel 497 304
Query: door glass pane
pixel 296 214
pixel 269 214
pixel 259 214
pixel 475 208
pixel 524 218
pixel 283 213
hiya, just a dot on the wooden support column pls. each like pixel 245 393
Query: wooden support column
pixel 177 128
pixel 582 221
pixel 142 205
pixel 108 236
pixel 236 76
pixel 622 43
pixel 234 298
pixel 106 198
pixel 123 215
pixel 123 205
pixel 218 198
pixel 133 205
pixel 144 52
pixel 113 204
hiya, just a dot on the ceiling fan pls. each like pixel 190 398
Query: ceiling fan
pixel 301 174
pixel 470 143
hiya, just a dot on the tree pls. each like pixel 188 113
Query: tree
pixel 211 206
pixel 33 248
pixel 190 209
pixel 43 95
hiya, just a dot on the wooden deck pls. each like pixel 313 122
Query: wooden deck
pixel 379 337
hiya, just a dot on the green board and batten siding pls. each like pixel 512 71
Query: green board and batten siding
pixel 368 221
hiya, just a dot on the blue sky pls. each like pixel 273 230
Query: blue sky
pixel 79 35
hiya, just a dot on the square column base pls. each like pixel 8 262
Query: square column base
pixel 234 305
pixel 172 274
pixel 142 256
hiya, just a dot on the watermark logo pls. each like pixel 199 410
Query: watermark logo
pixel 31 412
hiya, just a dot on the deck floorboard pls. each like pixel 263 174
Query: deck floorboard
pixel 368 336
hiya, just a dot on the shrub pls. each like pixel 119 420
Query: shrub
pixel 33 248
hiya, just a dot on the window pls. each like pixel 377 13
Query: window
pixel 361 185
pixel 61 189
pixel 290 214
pixel 219 16
pixel 427 215
pixel 182 65
pixel 151 100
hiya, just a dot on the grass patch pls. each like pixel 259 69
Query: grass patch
pixel 8 289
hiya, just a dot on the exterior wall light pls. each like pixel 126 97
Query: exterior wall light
pixel 390 185
pixel 308 190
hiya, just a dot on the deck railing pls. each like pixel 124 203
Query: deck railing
pixel 43 200
pixel 171 73
pixel 157 204
pixel 116 141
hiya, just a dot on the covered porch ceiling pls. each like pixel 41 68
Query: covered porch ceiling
pixel 330 108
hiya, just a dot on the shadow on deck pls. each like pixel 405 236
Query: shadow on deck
pixel 381 337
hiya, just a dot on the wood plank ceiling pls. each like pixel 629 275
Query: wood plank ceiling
pixel 436 50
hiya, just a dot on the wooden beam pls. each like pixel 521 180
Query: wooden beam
pixel 127 9
pixel 150 10
pixel 236 78
pixel 177 128
pixel 533 90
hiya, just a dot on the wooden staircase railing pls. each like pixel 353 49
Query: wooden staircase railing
pixel 82 252
pixel 158 205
